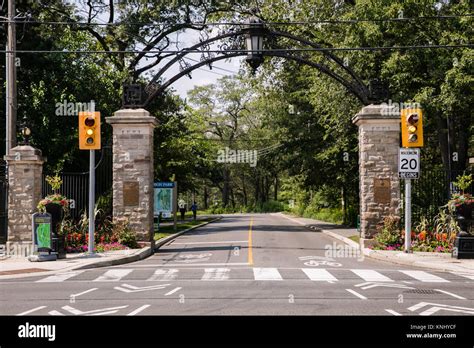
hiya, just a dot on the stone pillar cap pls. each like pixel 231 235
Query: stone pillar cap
pixel 27 153
pixel 132 116
pixel 377 112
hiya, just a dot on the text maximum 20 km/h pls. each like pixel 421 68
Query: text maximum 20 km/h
pixel 409 163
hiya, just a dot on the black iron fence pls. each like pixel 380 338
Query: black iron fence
pixel 432 191
pixel 75 186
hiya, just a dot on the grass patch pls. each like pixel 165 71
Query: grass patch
pixel 355 238
pixel 166 231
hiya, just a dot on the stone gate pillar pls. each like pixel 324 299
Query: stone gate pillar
pixel 25 170
pixel 133 171
pixel 379 141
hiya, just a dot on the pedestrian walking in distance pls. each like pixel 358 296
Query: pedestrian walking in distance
pixel 194 210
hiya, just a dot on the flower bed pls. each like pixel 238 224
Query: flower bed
pixel 101 247
pixel 428 237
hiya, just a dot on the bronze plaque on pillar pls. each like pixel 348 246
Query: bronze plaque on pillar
pixel 382 191
pixel 130 193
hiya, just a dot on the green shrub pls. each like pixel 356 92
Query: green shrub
pixel 390 233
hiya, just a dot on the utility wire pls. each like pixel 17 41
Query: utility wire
pixel 321 49
pixel 322 21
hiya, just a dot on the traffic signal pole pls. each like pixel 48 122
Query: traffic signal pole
pixel 407 215
pixel 91 200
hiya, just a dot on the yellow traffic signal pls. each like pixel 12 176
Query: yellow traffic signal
pixel 412 127
pixel 89 130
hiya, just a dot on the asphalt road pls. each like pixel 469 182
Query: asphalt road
pixel 252 264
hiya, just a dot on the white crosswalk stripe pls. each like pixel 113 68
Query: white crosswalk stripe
pixel 60 277
pixel 113 275
pixel 247 274
pixel 425 277
pixel 465 275
pixel 216 274
pixel 164 274
pixel 316 274
pixel 266 274
pixel 371 275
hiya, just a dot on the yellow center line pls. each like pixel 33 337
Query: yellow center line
pixel 250 255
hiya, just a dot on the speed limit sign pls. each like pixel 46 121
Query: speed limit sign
pixel 409 163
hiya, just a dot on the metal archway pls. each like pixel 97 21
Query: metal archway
pixel 135 96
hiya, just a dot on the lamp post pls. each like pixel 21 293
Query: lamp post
pixel 25 132
pixel 254 42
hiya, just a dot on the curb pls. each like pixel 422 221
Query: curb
pixel 419 263
pixel 329 233
pixel 142 254
pixel 160 242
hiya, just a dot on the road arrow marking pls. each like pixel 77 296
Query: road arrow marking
pixel 31 310
pixel 370 285
pixel 173 291
pixel 138 310
pixel 357 294
pixel 130 288
pixel 436 307
pixel 391 311
pixel 84 292
pixel 451 294
pixel 95 311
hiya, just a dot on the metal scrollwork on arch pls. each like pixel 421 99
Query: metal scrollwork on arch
pixel 230 42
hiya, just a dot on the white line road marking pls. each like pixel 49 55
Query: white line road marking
pixel 438 305
pixel 131 288
pixel 194 264
pixel 138 310
pixel 370 285
pixel 287 217
pixel 59 277
pixel 223 242
pixel 357 294
pixel 31 310
pixel 319 274
pixel 84 292
pixel 451 294
pixel 371 275
pixel 216 274
pixel 164 274
pixel 436 309
pixel 113 275
pixel 99 311
pixel 425 277
pixel 391 311
pixel 55 312
pixel 173 291
pixel 465 275
pixel 266 274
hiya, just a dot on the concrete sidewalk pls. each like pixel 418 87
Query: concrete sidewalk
pixel 16 267
pixel 432 261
